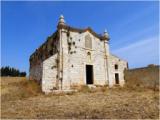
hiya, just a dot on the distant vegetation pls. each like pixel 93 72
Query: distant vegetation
pixel 10 71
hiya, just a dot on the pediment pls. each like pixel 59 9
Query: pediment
pixel 89 29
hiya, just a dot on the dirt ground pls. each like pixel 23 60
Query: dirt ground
pixel 21 99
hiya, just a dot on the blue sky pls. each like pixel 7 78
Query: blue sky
pixel 133 28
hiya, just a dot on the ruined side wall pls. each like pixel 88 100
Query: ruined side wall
pixel 36 72
pixel 143 77
pixel 50 74
pixel 122 65
pixel 45 51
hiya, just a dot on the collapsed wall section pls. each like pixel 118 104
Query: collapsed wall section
pixel 45 51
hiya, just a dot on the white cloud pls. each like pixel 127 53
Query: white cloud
pixel 136 34
pixel 140 53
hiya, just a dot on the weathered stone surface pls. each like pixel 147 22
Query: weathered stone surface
pixel 122 65
pixel 49 74
pixel 36 72
pixel 67 67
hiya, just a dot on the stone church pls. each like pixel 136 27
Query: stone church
pixel 72 57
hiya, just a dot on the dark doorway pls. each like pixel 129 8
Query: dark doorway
pixel 89 74
pixel 117 78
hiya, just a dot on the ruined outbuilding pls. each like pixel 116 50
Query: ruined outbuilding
pixel 73 57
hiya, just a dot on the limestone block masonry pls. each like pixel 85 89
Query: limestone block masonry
pixel 72 57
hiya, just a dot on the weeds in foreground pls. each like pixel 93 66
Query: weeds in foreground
pixel 20 90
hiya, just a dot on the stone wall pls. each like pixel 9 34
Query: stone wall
pixel 68 48
pixel 143 77
pixel 76 59
pixel 44 52
pixel 36 72
pixel 50 74
pixel 122 65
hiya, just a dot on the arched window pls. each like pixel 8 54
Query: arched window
pixel 88 42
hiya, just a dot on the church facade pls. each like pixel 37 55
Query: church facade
pixel 72 57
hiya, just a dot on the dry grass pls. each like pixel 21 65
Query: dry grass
pixel 22 99
pixel 147 77
pixel 15 88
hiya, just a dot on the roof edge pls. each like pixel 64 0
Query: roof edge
pixel 60 26
pixel 51 36
pixel 118 57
